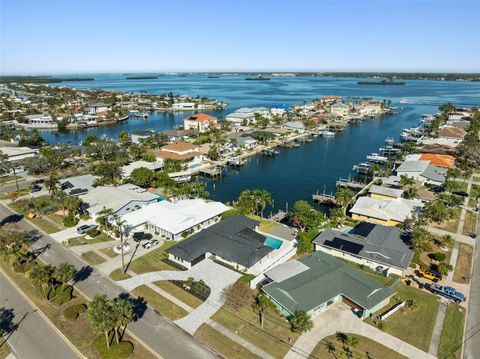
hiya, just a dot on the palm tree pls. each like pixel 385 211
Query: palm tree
pixel 103 217
pixel 42 275
pixel 331 349
pixel 51 183
pixel 341 337
pixel 100 315
pixel 73 205
pixel 264 305
pixel 262 198
pixel 411 192
pixel 446 240
pixel 61 199
pixel 119 223
pixel 406 181
pixel 352 341
pixel 301 322
pixel 123 314
pixel 65 273
pixel 343 197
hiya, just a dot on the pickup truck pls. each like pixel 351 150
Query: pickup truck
pixel 447 292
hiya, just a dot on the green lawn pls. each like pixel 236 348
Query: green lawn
pixel 93 258
pixel 79 241
pixel 273 338
pixel 118 274
pixel 160 304
pixel 109 252
pixel 366 348
pixel 57 218
pixel 415 327
pixel 45 225
pixel 452 333
pixel 7 179
pixel 464 263
pixel 152 261
pixel 470 225
pixel 179 293
pixel 79 331
pixel 222 344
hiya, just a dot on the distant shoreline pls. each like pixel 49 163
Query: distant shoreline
pixel 381 83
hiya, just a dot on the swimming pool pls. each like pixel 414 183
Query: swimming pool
pixel 195 165
pixel 273 242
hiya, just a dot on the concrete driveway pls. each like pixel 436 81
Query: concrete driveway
pixel 69 233
pixel 217 277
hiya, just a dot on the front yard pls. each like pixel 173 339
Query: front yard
pixel 464 263
pixel 159 303
pixel 153 261
pixel 415 327
pixel 470 225
pixel 331 347
pixel 452 333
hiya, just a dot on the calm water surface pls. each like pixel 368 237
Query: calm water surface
pixel 295 173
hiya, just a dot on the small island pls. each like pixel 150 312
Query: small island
pixel 383 82
pixel 257 78
pixel 141 77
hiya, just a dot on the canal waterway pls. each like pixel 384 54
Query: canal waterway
pixel 299 172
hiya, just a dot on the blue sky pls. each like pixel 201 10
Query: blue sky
pixel 74 36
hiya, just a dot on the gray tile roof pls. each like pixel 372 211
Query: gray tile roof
pixel 326 278
pixel 382 244
pixel 434 173
pixel 232 239
pixel 413 166
pixel 386 191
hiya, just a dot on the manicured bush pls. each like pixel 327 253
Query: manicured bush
pixel 59 297
pixel 69 221
pixel 22 268
pixel 93 233
pixel 73 312
pixel 440 257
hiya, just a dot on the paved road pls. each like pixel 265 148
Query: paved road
pixel 34 337
pixel 161 335
pixel 472 332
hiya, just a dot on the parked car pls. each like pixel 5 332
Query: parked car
pixel 150 244
pixel 461 193
pixel 35 188
pixel 140 236
pixel 430 274
pixel 448 292
pixel 85 228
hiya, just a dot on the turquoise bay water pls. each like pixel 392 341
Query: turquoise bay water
pixel 294 173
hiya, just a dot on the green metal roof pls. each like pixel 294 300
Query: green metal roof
pixel 326 278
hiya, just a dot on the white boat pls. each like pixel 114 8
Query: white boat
pixel 375 157
pixel 328 134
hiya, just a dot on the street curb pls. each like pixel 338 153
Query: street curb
pixel 65 339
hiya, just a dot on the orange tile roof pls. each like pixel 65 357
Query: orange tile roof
pixel 179 147
pixel 202 117
pixel 438 159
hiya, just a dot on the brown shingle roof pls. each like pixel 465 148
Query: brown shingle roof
pixel 451 132
pixel 179 147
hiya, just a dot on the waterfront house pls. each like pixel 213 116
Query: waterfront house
pixel 184 106
pixel 315 282
pixel 451 133
pixel 180 151
pixel 294 126
pixel 387 212
pixel 423 171
pixel 439 160
pixel 175 220
pixel 384 193
pixel 339 109
pixel 384 249
pixel 99 108
pixel 120 200
pixel 78 185
pixel 246 115
pixel 39 121
pixel 200 122
pixel 234 242
pixel 153 166
pixel 177 135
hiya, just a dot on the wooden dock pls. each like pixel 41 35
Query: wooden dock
pixel 212 171
pixel 348 183
pixel 278 217
pixel 324 198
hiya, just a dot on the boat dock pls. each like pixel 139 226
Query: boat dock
pixel 278 217
pixel 324 198
pixel 214 171
pixel 348 183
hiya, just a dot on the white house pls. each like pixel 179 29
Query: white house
pixel 339 109
pixel 246 115
pixel 120 200
pixel 175 220
pixel 200 122
pixel 18 153
pixel 99 107
pixel 153 166
pixel 184 106
pixel 294 126
pixel 180 151
pixel 39 121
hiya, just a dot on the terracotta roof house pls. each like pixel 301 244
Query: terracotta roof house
pixel 200 122
pixel 179 151
pixel 451 132
pixel 438 160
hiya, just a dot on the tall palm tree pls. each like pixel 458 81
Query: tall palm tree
pixel 51 183
pixel 411 192
pixel 344 197
pixel 65 273
pixel 119 223
pixel 42 275
pixel 100 315
pixel 263 198
pixel 330 348
pixel 103 218
pixel 406 181
pixel 123 315
pixel 264 305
